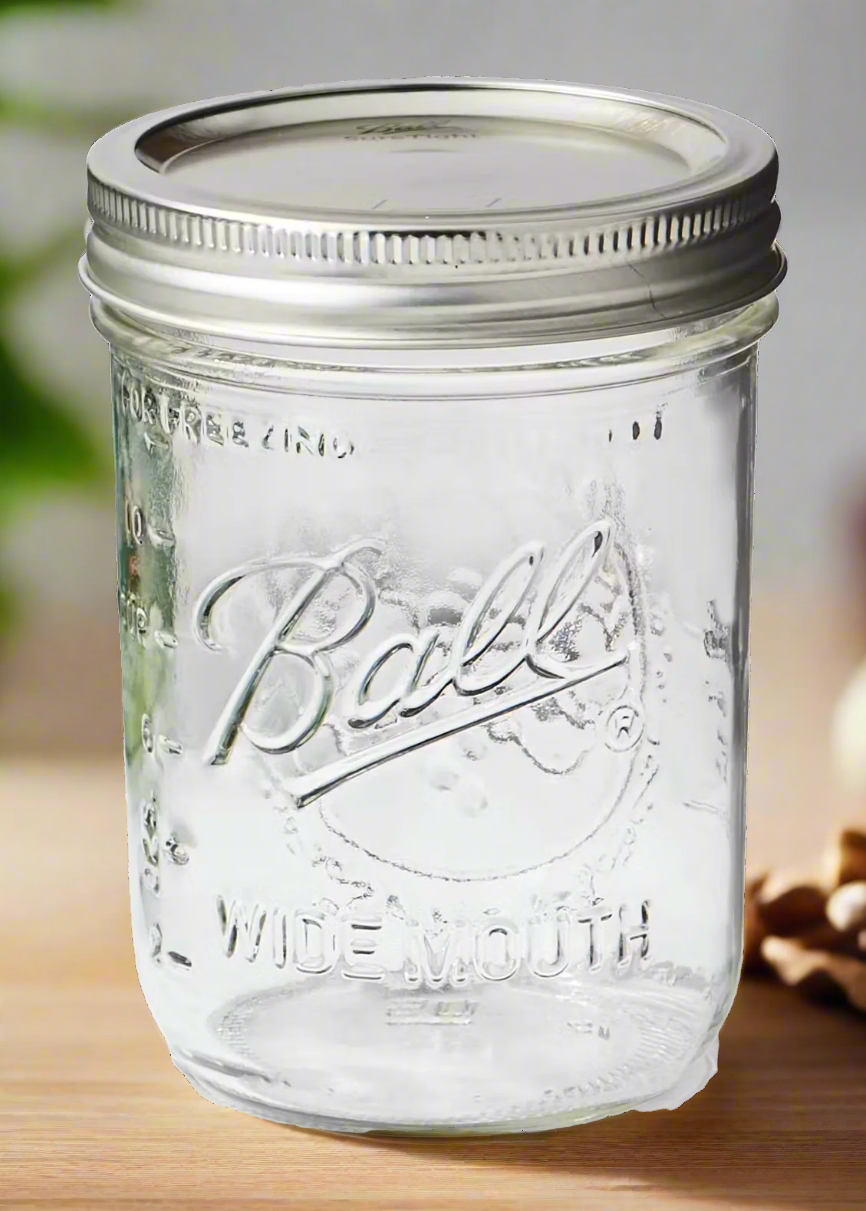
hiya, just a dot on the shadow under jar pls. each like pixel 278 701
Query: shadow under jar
pixel 434 413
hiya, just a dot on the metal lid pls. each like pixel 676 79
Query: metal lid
pixel 432 211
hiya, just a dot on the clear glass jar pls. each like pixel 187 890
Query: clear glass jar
pixel 435 683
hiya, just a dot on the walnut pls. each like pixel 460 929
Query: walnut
pixel 845 859
pixel 835 941
pixel 817 973
pixel 846 908
pixel 789 902
pixel 810 928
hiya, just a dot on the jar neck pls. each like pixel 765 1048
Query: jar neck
pixel 585 364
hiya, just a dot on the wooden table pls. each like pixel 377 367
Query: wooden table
pixel 93 1115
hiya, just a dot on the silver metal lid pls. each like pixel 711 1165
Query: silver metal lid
pixel 432 211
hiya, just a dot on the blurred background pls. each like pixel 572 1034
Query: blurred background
pixel 70 70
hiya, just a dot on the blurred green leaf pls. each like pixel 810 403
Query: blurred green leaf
pixel 31 113
pixel 7 609
pixel 42 445
pixel 7 5
pixel 19 271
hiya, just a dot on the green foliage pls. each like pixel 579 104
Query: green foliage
pixel 7 5
pixel 43 446
pixel 7 609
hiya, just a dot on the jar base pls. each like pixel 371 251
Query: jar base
pixel 219 1096
pixel 492 1064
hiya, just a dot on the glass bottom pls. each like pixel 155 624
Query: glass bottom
pixel 484 1059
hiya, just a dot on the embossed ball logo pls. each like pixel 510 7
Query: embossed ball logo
pixel 473 732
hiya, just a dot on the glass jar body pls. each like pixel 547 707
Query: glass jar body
pixel 434 695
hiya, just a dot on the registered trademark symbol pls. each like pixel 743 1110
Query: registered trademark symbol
pixel 624 727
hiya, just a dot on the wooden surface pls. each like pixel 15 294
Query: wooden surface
pixel 93 1116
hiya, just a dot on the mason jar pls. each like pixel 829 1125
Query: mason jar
pixel 434 407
